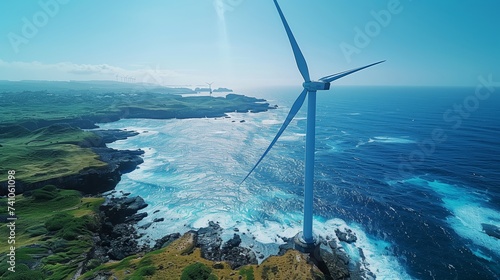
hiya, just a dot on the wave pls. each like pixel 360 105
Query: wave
pixel 191 182
pixel 469 215
pixel 388 139
pixel 293 137
pixel 272 122
pixel 433 220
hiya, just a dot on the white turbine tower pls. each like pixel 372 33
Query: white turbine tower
pixel 306 240
pixel 210 87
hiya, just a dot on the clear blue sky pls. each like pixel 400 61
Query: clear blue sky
pixel 242 43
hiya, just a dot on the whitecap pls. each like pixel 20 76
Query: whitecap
pixel 293 137
pixel 469 214
pixel 387 139
pixel 190 174
pixel 272 122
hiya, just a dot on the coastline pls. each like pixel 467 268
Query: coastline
pixel 335 260
pixel 116 162
pixel 106 242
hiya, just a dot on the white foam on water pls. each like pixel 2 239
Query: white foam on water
pixel 479 253
pixel 388 139
pixel 361 143
pixel 293 137
pixel 272 122
pixel 191 174
pixel 334 146
pixel 378 257
pixel 468 214
pixel 225 220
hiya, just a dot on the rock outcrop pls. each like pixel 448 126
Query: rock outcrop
pixel 209 240
pixel 111 135
pixel 118 237
pixel 165 241
pixel 212 247
pixel 235 255
pixel 347 235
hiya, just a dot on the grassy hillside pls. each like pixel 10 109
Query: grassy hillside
pixel 53 151
pixel 46 153
pixel 173 261
pixel 40 141
pixel 36 108
pixel 53 233
pixel 96 86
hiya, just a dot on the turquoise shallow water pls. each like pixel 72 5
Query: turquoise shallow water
pixel 410 173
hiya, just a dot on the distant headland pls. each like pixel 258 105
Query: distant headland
pixel 46 119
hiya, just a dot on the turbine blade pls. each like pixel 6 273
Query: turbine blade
pixel 293 111
pixel 345 73
pixel 299 57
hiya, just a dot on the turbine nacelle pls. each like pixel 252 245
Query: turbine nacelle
pixel 316 85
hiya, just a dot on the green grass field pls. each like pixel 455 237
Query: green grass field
pixel 40 140
pixel 53 151
pixel 46 153
pixel 182 260
pixel 35 108
pixel 53 230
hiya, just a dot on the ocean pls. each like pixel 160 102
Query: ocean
pixel 413 171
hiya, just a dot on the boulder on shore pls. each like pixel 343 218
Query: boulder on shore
pixel 118 237
pixel 210 242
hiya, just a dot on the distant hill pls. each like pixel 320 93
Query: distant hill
pixel 93 86
pixel 222 90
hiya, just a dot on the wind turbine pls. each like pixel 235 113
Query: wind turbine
pixel 210 87
pixel 310 88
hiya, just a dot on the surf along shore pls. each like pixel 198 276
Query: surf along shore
pixel 65 229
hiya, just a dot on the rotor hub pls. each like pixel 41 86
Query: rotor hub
pixel 316 85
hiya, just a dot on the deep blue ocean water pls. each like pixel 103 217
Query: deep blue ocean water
pixel 414 172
